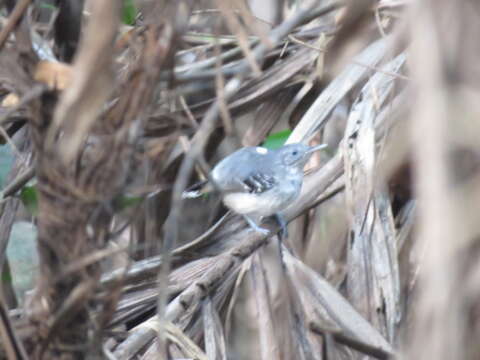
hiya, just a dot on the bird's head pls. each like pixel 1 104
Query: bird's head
pixel 297 154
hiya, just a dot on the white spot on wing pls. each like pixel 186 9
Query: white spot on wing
pixel 261 150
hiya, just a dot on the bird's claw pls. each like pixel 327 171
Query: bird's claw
pixel 257 228
pixel 262 231
pixel 283 226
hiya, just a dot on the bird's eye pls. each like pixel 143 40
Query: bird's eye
pixel 295 153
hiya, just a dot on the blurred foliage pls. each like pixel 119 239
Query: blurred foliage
pixel 29 197
pixel 6 160
pixel 129 12
pixel 44 5
pixel 125 201
pixel 276 140
pixel 6 277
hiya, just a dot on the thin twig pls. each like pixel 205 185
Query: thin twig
pixel 373 68
pixel 10 142
pixel 13 20
pixel 240 33
pixel 216 11
pixel 220 86
pixel 11 343
pixel 275 36
pixel 18 182
pixel 352 343
pixel 34 93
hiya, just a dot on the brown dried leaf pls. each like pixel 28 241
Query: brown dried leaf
pixel 10 100
pixel 54 74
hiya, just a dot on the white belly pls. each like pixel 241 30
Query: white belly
pixel 264 204
pixel 241 203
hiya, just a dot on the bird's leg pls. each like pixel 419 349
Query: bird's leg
pixel 283 225
pixel 282 235
pixel 255 227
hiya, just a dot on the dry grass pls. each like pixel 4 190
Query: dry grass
pixel 380 261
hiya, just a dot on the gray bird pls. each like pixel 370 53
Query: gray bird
pixel 257 182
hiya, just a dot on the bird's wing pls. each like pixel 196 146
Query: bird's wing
pixel 253 183
pixel 248 170
pixel 259 182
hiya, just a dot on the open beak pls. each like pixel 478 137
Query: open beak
pixel 318 147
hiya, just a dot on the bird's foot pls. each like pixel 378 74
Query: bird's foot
pixel 262 230
pixel 255 227
pixel 283 226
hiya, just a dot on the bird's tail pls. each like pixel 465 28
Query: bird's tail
pixel 196 190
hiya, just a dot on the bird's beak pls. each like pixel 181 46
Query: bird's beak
pixel 318 147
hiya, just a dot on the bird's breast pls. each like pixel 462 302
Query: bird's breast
pixel 267 203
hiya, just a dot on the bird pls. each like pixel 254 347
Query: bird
pixel 257 182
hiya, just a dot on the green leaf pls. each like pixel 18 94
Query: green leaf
pixel 6 277
pixel 48 6
pixel 29 197
pixel 129 12
pixel 125 201
pixel 276 140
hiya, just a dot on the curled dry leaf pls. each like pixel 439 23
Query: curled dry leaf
pixel 10 100
pixel 56 75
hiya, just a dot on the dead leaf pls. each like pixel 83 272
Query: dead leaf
pixel 10 100
pixel 54 74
